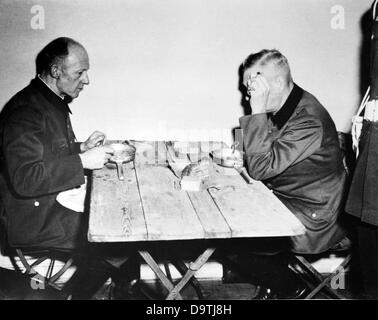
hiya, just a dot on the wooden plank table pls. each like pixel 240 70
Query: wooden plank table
pixel 148 205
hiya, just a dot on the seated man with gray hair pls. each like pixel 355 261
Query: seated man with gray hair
pixel 291 144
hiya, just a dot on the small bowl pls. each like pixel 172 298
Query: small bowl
pixel 122 152
pixel 227 157
pixel 118 147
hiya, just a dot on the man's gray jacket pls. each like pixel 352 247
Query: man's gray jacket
pixel 296 153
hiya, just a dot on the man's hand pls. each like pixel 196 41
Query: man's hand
pixel 95 158
pixel 95 139
pixel 258 89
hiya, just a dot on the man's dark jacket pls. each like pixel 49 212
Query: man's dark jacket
pixel 296 153
pixel 39 159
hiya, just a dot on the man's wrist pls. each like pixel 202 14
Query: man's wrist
pixel 82 160
pixel 258 111
pixel 83 147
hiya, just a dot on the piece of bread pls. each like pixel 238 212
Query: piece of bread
pixel 199 169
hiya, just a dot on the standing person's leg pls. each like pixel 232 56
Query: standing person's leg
pixel 368 254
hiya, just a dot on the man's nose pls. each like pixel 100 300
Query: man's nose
pixel 85 78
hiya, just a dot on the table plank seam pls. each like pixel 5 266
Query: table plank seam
pixel 141 202
pixel 194 207
pixel 224 218
pixel 199 219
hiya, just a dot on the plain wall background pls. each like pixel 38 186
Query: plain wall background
pixel 168 69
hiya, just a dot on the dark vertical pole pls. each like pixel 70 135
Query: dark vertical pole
pixel 374 62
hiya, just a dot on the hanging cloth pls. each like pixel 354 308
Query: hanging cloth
pixel 362 200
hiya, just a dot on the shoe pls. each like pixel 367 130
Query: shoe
pixel 130 290
pixel 344 244
pixel 298 294
pixel 268 294
pixel 230 276
pixel 88 280
pixel 265 294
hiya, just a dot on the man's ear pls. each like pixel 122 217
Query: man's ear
pixel 55 71
pixel 279 82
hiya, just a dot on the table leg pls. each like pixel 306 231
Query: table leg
pixel 193 268
pixel 174 291
pixel 183 268
pixel 160 274
pixel 167 271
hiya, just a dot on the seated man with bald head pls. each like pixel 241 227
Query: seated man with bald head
pixel 40 158
pixel 291 144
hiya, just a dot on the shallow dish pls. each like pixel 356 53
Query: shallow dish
pixel 227 157
pixel 123 153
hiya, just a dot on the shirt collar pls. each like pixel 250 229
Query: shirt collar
pixel 50 95
pixel 283 115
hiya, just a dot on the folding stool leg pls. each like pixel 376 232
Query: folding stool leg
pixel 50 269
pixel 28 267
pixel 57 275
pixel 167 271
pixel 310 269
pixel 325 282
pixel 49 278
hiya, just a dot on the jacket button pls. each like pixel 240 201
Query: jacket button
pixel 313 215
pixel 36 204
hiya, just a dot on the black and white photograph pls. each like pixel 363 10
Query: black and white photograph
pixel 209 151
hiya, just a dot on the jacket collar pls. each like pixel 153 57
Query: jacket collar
pixel 284 114
pixel 50 95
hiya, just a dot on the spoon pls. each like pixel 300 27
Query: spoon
pixel 233 146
